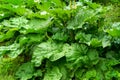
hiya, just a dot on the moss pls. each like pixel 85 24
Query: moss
pixel 8 67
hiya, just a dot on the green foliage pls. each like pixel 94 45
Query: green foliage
pixel 8 67
pixel 59 40
pixel 53 74
pixel 25 71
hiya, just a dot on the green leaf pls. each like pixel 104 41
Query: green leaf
pixel 36 26
pixel 16 22
pixel 75 51
pixel 110 74
pixel 75 55
pixel 82 16
pixel 59 40
pixel 79 73
pixel 9 34
pixel 99 74
pixel 16 2
pixel 5 14
pixel 47 50
pixel 28 26
pixel 112 62
pixel 57 3
pixel 106 42
pixel 90 74
pixel 64 71
pixel 95 42
pixel 103 65
pixel 53 74
pixel 115 30
pixel 23 40
pixel 60 36
pixel 12 50
pixel 110 54
pixel 38 73
pixel 32 38
pixel 15 53
pixel 25 72
pixel 93 56
pixel 57 56
pixel 83 38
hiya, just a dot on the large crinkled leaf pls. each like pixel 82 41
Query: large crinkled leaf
pixel 83 38
pixel 53 74
pixel 16 22
pixel 36 26
pixel 64 71
pixel 79 73
pixel 115 30
pixel 90 74
pixel 102 65
pixel 60 54
pixel 47 50
pixel 72 52
pixel 25 71
pixel 105 65
pixel 82 16
pixel 112 55
pixel 61 36
pixel 95 42
pixel 28 26
pixel 75 51
pixel 106 42
pixel 75 55
pixel 112 62
pixel 112 73
pixel 99 75
pixel 12 50
pixel 93 56
pixel 15 53
pixel 83 74
pixel 35 38
pixel 31 38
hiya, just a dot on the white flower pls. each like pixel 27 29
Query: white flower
pixel 2 14
pixel 43 13
pixel 37 1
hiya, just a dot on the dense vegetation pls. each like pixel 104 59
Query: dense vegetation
pixel 59 40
